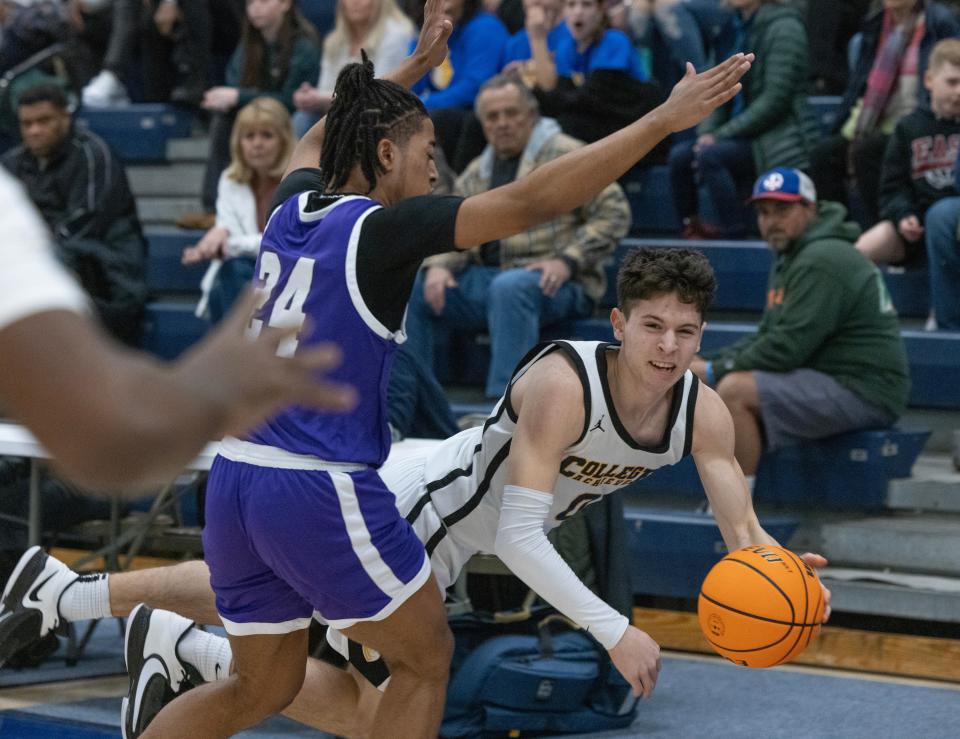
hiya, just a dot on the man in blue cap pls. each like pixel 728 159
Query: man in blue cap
pixel 827 356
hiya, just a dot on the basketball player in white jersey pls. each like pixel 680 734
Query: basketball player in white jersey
pixel 116 419
pixel 579 420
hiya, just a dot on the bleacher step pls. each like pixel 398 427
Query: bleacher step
pixel 916 543
pixel 166 210
pixel 935 486
pixel 182 178
pixel 194 149
pixel 896 595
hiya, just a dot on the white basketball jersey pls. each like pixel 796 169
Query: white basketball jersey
pixel 465 476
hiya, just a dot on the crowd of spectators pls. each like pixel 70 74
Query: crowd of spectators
pixel 525 81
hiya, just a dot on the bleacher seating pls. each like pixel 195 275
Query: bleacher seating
pixel 742 267
pixel 138 132
pixel 671 552
pixel 933 356
pixel 171 327
pixel 844 472
pixel 825 109
pixel 165 274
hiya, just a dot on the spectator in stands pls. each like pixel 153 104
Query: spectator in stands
pixel 378 27
pixel 769 124
pixel 176 39
pixel 942 236
pixel 260 147
pixel 177 49
pixel 82 193
pixel 597 83
pixel 277 54
pixel 690 28
pixel 918 164
pixel 513 287
pixel 884 86
pixel 830 26
pixel 827 356
pixel 112 25
pixel 518 53
pixel 28 27
pixel 448 92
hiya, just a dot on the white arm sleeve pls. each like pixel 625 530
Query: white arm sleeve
pixel 31 280
pixel 524 548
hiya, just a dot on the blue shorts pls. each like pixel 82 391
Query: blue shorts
pixel 287 544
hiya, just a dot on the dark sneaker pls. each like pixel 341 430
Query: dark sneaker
pixel 30 606
pixel 157 675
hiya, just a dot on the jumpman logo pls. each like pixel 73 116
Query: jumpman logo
pixel 599 424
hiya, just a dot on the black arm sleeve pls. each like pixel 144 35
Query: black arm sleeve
pixel 299 180
pixel 393 243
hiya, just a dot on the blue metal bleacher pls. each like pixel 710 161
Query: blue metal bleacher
pixel 138 132
pixel 171 327
pixel 825 110
pixel 165 273
pixel 933 356
pixel 742 267
pixel 843 472
pixel 672 552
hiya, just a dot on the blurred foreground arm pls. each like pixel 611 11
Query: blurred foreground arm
pixel 114 418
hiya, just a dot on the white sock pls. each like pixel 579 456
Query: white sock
pixel 86 597
pixel 209 653
pixel 751 483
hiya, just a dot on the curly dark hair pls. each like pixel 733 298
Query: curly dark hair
pixel 365 111
pixel 647 272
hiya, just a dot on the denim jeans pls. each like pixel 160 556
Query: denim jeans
pixel 943 255
pixel 508 303
pixel 722 169
pixel 691 28
pixel 232 279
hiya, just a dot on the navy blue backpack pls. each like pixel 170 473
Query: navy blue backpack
pixel 546 677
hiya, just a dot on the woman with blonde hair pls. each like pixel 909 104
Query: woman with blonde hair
pixel 379 27
pixel 260 146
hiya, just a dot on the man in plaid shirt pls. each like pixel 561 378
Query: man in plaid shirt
pixel 513 286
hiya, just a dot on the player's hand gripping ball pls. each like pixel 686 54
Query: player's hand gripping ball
pixel 760 606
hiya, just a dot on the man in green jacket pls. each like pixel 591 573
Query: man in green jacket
pixel 827 356
pixel 769 124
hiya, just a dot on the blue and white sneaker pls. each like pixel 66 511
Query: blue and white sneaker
pixel 157 674
pixel 30 607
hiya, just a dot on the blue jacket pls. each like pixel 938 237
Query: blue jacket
pixel 475 52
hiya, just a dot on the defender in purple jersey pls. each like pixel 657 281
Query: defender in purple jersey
pixel 298 521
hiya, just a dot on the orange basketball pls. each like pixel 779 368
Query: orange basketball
pixel 760 606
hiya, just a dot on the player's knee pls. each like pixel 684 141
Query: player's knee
pixel 431 661
pixel 263 698
pixel 737 388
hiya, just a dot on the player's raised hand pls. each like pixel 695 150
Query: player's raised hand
pixel 436 30
pixel 248 382
pixel 696 96
pixel 637 657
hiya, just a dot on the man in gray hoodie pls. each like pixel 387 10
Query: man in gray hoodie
pixel 514 286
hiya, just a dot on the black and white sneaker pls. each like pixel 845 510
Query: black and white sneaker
pixel 30 606
pixel 157 675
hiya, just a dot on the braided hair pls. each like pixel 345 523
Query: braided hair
pixel 365 111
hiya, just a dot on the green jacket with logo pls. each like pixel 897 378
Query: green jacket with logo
pixel 828 309
pixel 777 119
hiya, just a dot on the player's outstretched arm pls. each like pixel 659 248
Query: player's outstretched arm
pixel 723 480
pixel 571 180
pixel 430 51
pixel 549 401
pixel 118 420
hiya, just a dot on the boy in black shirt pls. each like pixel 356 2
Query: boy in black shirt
pixel 919 162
